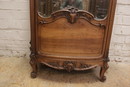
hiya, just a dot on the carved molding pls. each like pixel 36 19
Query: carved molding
pixel 32 54
pixel 69 65
pixel 33 58
pixel 72 15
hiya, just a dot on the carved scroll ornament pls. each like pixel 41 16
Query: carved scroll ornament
pixel 69 65
pixel 72 15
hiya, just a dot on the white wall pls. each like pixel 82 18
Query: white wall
pixel 15 30
pixel 120 43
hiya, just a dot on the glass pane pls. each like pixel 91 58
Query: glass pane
pixel 98 8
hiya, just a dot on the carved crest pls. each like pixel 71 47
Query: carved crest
pixel 72 15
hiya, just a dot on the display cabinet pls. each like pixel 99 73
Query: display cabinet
pixel 71 34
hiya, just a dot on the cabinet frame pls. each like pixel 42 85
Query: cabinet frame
pixel 69 64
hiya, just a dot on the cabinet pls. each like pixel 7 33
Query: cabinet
pixel 71 34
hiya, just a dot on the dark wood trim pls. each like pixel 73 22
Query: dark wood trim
pixel 110 25
pixel 32 20
pixel 33 60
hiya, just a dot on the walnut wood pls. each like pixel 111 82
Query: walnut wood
pixel 102 71
pixel 70 39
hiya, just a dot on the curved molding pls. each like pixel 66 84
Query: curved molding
pixel 69 65
pixel 72 15
pixel 68 57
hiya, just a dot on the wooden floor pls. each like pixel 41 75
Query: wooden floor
pixel 15 72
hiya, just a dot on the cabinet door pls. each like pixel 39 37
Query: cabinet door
pixel 72 28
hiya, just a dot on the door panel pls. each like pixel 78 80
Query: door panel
pixel 62 38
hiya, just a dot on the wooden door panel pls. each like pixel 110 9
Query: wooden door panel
pixel 65 39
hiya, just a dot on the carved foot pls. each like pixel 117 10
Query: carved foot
pixel 33 74
pixel 103 79
pixel 102 72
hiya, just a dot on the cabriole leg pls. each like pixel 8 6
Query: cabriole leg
pixel 34 65
pixel 102 72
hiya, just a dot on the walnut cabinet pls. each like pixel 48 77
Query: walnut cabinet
pixel 71 34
